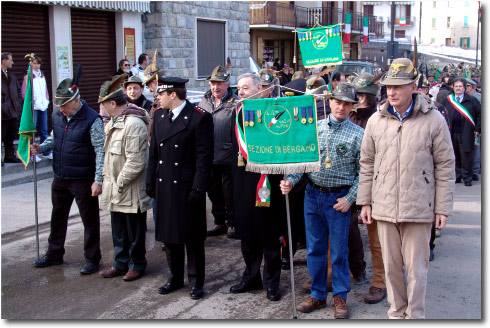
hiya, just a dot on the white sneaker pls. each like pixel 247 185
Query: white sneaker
pixel 38 159
pixel 50 156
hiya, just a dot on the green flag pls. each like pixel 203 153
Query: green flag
pixel 27 127
pixel 320 46
pixel 281 135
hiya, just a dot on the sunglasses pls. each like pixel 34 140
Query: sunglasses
pixel 126 65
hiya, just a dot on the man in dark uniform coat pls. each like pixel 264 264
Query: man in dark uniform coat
pixel 258 228
pixel 178 175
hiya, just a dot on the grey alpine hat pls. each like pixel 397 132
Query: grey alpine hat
pixel 345 92
pixel 364 84
pixel 401 72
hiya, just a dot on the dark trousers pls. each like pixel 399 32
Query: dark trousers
pixel 195 263
pixel 62 194
pixel 464 160
pixel 128 237
pixel 357 265
pixel 221 195
pixel 432 237
pixel 9 132
pixel 252 252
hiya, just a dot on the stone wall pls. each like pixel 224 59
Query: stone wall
pixel 170 28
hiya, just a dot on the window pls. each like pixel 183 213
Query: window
pixel 448 42
pixel 432 40
pixel 434 4
pixel 400 34
pixel 210 46
pixel 464 42
pixel 402 11
pixel 449 22
pixel 465 24
pixel 368 10
pixel 433 23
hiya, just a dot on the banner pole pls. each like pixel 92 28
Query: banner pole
pixel 290 244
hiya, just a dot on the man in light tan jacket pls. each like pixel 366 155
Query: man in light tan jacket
pixel 124 188
pixel 406 182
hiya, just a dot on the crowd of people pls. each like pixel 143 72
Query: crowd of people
pixel 388 158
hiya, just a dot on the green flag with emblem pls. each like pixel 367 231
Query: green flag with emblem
pixel 281 135
pixel 27 127
pixel 320 46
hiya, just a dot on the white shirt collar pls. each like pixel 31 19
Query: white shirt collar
pixel 177 110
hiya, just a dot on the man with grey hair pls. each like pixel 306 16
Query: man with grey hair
pixel 406 183
pixel 258 228
pixel 219 101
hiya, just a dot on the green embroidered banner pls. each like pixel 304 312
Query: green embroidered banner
pixel 320 46
pixel 281 135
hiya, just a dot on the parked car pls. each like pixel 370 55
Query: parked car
pixel 357 68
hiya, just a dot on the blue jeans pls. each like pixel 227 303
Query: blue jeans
pixel 41 117
pixel 323 222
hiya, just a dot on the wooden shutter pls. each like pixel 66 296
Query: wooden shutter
pixel 25 29
pixel 94 46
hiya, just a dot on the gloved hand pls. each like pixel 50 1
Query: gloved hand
pixel 150 191
pixel 196 196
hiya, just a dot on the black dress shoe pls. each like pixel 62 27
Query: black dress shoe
pixel 12 160
pixel 196 293
pixel 217 229
pixel 475 177
pixel 273 294
pixel 45 261
pixel 285 265
pixel 244 287
pixel 468 184
pixel 89 268
pixel 169 288
pixel 458 180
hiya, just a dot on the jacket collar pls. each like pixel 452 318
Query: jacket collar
pixel 421 104
pixel 179 124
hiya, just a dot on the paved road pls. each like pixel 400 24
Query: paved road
pixel 60 292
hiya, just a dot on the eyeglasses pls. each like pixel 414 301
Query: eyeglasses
pixel 126 65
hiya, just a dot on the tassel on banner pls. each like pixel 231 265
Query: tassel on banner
pixel 240 160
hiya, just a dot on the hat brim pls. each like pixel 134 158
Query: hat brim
pixel 119 92
pixel 344 99
pixel 125 84
pixel 217 79
pixel 371 90
pixel 397 81
pixel 317 90
pixel 62 101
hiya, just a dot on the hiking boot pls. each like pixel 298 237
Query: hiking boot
pixel 341 311
pixel 311 304
pixel 375 295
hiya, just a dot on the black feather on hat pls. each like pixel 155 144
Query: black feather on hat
pixel 68 88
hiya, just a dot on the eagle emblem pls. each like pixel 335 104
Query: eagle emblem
pixel 395 69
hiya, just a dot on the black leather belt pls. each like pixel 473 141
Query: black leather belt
pixel 329 189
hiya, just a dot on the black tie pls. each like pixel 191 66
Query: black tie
pixel 170 115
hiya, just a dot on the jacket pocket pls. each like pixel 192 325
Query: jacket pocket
pixel 116 146
pixel 121 198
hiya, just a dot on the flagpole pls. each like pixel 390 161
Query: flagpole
pixel 34 178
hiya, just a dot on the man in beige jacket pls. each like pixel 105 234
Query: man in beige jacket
pixel 406 182
pixel 123 190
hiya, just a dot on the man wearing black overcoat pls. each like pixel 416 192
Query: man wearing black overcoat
pixel 178 175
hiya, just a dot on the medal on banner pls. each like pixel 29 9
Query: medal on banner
pixel 259 116
pixel 310 114
pixel 295 112
pixel 303 115
pixel 263 196
pixel 247 115
pixel 251 117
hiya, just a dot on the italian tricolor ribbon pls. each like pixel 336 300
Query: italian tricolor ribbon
pixel 460 108
pixel 347 28
pixel 263 196
pixel 242 146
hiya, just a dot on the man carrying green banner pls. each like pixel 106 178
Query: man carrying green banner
pixel 329 195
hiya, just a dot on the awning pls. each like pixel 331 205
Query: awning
pixel 137 6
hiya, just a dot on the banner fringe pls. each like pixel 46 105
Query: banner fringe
pixel 283 168
pixel 262 204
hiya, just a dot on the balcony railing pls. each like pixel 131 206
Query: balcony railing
pixel 410 21
pixel 302 17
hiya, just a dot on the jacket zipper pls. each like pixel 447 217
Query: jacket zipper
pixel 398 174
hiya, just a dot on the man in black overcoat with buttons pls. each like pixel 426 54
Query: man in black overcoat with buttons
pixel 178 175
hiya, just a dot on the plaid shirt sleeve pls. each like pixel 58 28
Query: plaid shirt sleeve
pixel 47 145
pixel 97 137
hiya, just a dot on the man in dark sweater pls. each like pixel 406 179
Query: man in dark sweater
pixel 134 92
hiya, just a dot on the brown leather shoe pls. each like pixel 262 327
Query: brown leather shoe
pixel 111 272
pixel 133 275
pixel 341 311
pixel 375 295
pixel 311 304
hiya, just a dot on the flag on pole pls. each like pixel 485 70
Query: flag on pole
pixel 320 48
pixel 403 21
pixel 347 29
pixel 26 127
pixel 365 30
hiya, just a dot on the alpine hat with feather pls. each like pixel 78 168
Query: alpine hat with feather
pixel 68 89
pixel 152 71
pixel 112 89
pixel 367 83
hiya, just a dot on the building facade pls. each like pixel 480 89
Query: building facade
pixel 451 23
pixel 193 37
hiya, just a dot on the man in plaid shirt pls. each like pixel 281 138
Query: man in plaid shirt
pixel 328 198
